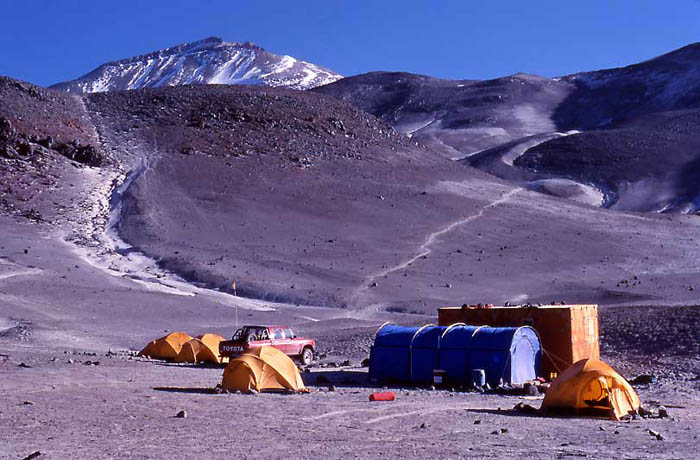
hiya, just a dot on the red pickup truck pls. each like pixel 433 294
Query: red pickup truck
pixel 280 337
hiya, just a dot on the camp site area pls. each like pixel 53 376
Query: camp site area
pixel 129 405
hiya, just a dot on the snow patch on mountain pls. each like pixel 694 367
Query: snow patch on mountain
pixel 208 61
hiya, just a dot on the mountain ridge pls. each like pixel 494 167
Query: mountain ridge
pixel 207 61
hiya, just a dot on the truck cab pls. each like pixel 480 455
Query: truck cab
pixel 283 338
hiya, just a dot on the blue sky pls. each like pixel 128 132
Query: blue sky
pixel 46 41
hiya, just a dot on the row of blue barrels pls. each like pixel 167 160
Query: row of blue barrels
pixel 509 355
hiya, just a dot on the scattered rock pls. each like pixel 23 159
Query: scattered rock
pixel 663 412
pixel 28 403
pixel 34 454
pixel 181 414
pixel 525 408
pixel 331 388
pixel 345 363
pixel 365 362
pixel 25 365
pixel 70 361
pixel 423 425
pixel 602 428
pixel 477 422
pixel 495 432
pixel 531 390
pixel 644 379
pixel 656 434
pixel 504 430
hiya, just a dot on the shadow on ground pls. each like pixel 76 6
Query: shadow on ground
pixel 203 391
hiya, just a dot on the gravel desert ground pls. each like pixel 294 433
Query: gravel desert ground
pixel 57 401
pixel 62 407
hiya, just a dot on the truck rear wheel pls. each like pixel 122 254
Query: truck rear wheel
pixel 307 356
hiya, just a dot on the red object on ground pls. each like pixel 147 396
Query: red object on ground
pixel 383 396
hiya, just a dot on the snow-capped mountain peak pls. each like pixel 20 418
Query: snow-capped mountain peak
pixel 207 61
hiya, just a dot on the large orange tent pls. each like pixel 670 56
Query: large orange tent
pixel 167 347
pixel 264 369
pixel 591 387
pixel 204 348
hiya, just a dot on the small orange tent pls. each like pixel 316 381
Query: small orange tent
pixel 204 348
pixel 265 368
pixel 167 347
pixel 591 387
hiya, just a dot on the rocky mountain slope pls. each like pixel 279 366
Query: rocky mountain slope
pixel 208 61
pixel 604 98
pixel 456 117
pixel 302 199
pixel 46 140
pixel 525 129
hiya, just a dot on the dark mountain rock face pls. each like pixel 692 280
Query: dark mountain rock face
pixel 456 117
pixel 648 164
pixel 44 136
pixel 524 128
pixel 608 97
pixel 208 61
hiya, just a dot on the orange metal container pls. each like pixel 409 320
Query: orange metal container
pixel 568 333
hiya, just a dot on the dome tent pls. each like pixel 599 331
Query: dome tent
pixel 264 369
pixel 167 347
pixel 410 354
pixel 591 387
pixel 204 348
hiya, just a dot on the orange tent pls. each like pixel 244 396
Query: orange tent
pixel 204 348
pixel 167 347
pixel 591 387
pixel 265 368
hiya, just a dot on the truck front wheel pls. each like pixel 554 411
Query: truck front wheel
pixel 307 356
